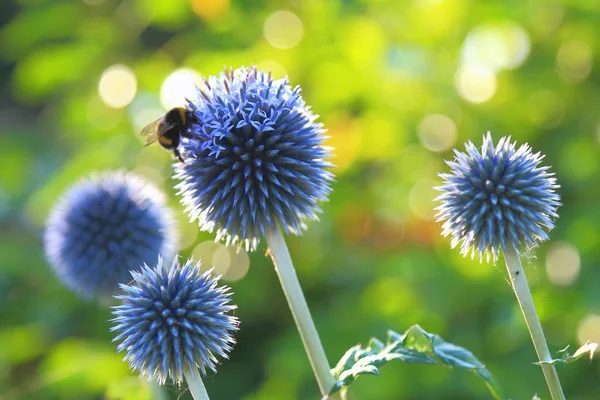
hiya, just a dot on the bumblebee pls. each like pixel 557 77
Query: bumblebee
pixel 168 130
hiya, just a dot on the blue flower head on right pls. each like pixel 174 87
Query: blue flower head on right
pixel 255 160
pixel 499 198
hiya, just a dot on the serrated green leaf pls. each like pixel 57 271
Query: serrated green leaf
pixel 587 348
pixel 415 346
pixel 375 345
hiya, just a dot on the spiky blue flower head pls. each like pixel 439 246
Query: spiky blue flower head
pixel 105 226
pixel 255 161
pixel 172 318
pixel 499 198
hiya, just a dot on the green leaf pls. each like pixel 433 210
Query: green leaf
pixel 587 348
pixel 413 346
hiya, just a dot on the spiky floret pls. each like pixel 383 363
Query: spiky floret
pixel 500 198
pixel 174 317
pixel 255 161
pixel 105 226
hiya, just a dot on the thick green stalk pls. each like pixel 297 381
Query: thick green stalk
pixel 521 289
pixel 297 303
pixel 194 381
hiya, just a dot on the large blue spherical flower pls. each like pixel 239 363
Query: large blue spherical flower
pixel 172 318
pixel 255 161
pixel 500 198
pixel 104 227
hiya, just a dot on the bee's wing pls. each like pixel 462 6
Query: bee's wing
pixel 150 132
pixel 156 129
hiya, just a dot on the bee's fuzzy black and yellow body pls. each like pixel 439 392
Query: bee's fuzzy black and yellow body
pixel 168 130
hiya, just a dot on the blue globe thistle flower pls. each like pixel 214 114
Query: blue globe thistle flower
pixel 255 159
pixel 500 198
pixel 173 318
pixel 105 226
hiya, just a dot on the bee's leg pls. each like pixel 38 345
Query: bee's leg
pixel 177 155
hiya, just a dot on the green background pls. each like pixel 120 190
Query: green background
pixel 374 71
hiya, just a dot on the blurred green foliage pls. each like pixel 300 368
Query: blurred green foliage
pixel 397 83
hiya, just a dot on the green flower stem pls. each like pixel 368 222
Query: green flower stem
pixel 343 394
pixel 521 289
pixel 304 322
pixel 194 381
pixel 158 391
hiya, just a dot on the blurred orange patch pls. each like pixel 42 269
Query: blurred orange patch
pixel 210 9
pixel 354 224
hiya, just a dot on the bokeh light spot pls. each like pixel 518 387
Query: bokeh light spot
pixel 563 264
pixel 283 29
pixel 475 83
pixel 221 260
pixel 151 174
pixel 437 132
pixel 277 70
pixel 180 84
pixel 144 109
pixel 502 46
pixel 547 17
pixel 239 264
pixel 589 329
pixel 574 60
pixel 421 199
pixel 188 231
pixel 208 252
pixel 117 86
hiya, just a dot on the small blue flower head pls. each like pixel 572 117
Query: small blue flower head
pixel 497 199
pixel 105 226
pixel 255 161
pixel 172 318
